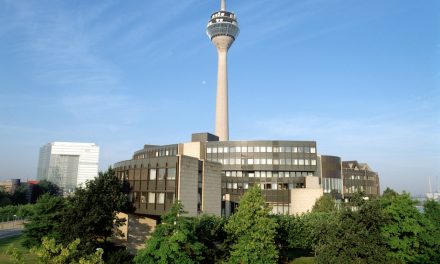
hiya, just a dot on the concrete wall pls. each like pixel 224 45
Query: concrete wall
pixel 312 182
pixel 188 184
pixel 193 149
pixel 136 230
pixel 303 199
pixel 211 188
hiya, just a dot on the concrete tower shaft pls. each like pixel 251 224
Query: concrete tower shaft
pixel 222 29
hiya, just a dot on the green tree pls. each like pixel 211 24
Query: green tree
pixel 91 213
pixel 52 253
pixel 432 211
pixel 252 231
pixel 5 198
pixel 117 255
pixel 325 203
pixel 209 231
pixel 44 186
pixel 354 236
pixel 20 195
pixel 173 241
pixel 407 232
pixel 430 238
pixel 15 255
pixel 297 235
pixel 45 220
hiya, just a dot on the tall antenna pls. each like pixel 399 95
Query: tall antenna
pixel 222 30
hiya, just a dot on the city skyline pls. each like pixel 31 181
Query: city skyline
pixel 359 78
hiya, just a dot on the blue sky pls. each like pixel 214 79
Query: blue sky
pixel 359 77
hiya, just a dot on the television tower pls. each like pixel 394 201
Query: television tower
pixel 222 29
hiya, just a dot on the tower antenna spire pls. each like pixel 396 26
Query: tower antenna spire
pixel 222 30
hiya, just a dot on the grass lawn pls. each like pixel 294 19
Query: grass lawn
pixel 299 256
pixel 303 260
pixel 15 242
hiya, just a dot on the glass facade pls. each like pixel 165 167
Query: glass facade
pixel 275 166
pixel 68 164
pixel 223 23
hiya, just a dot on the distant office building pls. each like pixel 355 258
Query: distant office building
pixel 9 185
pixel 68 164
pixel 359 177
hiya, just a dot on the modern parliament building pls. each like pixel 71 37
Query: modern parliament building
pixel 211 173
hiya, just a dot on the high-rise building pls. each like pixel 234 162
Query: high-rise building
pixel 9 185
pixel 68 164
pixel 222 29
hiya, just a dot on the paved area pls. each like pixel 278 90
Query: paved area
pixel 10 233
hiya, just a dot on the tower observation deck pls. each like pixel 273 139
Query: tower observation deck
pixel 222 29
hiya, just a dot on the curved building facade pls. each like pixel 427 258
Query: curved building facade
pixel 331 175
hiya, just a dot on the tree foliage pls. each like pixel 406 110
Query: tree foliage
pixel 5 198
pixel 404 227
pixel 431 247
pixel 173 241
pixel 15 255
pixel 252 231
pixel 91 213
pixel 44 186
pixel 209 231
pixel 45 220
pixel 20 211
pixel 88 215
pixel 325 204
pixel 52 253
pixel 353 236
pixel 432 211
pixel 19 196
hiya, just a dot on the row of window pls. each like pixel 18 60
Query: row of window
pixel 360 177
pixel 258 149
pixel 267 174
pixel 157 153
pixel 262 185
pixel 331 184
pixel 354 189
pixel 264 161
pixel 222 14
pixel 151 197
pixel 162 174
pixel 279 208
